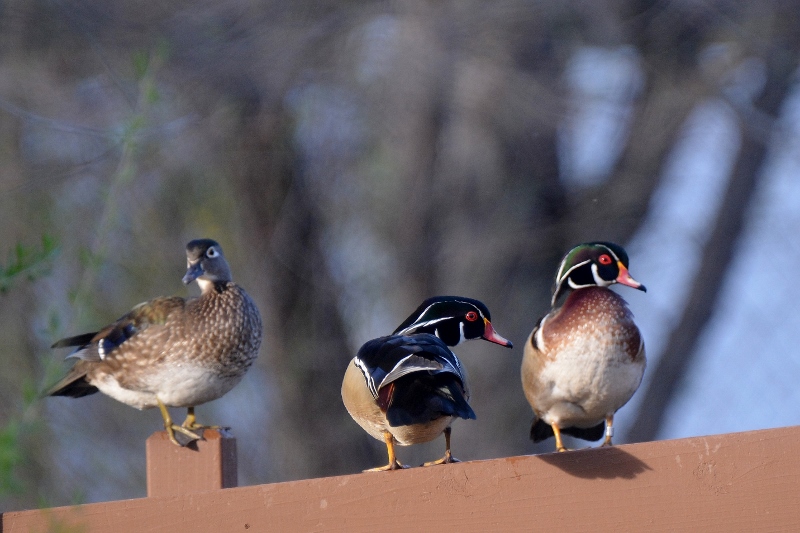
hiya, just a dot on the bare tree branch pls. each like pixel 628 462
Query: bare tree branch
pixel 717 255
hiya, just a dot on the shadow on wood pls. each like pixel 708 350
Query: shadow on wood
pixel 597 463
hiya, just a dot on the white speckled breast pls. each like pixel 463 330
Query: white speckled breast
pixel 200 352
pixel 589 362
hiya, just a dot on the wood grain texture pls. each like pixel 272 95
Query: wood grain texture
pixel 722 483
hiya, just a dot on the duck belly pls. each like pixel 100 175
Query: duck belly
pixel 419 433
pixel 365 411
pixel 585 385
pixel 360 404
pixel 183 385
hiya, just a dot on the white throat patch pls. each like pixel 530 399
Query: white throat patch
pixel 205 285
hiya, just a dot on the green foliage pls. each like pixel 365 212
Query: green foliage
pixel 141 62
pixel 27 263
pixel 145 65
pixel 12 436
pixel 10 456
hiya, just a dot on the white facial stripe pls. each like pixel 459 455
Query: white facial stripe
pixel 610 251
pixel 560 276
pixel 416 325
pixel 480 313
pixel 423 313
pixel 600 282
pixel 568 272
pixel 461 332
pixel 574 285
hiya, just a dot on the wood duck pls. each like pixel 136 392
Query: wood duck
pixel 408 387
pixel 585 359
pixel 172 351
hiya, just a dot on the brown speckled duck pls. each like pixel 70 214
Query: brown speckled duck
pixel 408 387
pixel 585 359
pixel 172 351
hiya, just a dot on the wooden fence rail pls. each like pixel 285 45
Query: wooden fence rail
pixel 721 483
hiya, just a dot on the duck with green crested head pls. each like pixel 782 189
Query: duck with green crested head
pixel 585 359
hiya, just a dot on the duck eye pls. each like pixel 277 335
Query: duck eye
pixel 604 259
pixel 472 316
pixel 211 253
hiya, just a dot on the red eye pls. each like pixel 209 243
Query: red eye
pixel 472 316
pixel 604 259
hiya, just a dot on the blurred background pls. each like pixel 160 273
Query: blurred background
pixel 355 157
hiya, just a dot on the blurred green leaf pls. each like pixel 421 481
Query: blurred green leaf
pixel 89 259
pixel 27 262
pixel 10 456
pixel 162 50
pixel 141 62
pixel 30 392
pixel 151 94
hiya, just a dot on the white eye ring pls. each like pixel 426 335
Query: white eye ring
pixel 212 252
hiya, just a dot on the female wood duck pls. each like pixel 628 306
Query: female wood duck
pixel 585 359
pixel 171 351
pixel 408 387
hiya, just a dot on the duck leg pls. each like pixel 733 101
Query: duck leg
pixel 559 445
pixel 191 421
pixel 394 464
pixel 448 456
pixel 171 427
pixel 609 430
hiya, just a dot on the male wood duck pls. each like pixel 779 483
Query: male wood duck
pixel 585 359
pixel 408 387
pixel 172 351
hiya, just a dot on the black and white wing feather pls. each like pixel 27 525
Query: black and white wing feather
pixel 385 359
pixel 414 378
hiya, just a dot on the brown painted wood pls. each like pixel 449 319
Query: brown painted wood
pixel 205 465
pixel 722 483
